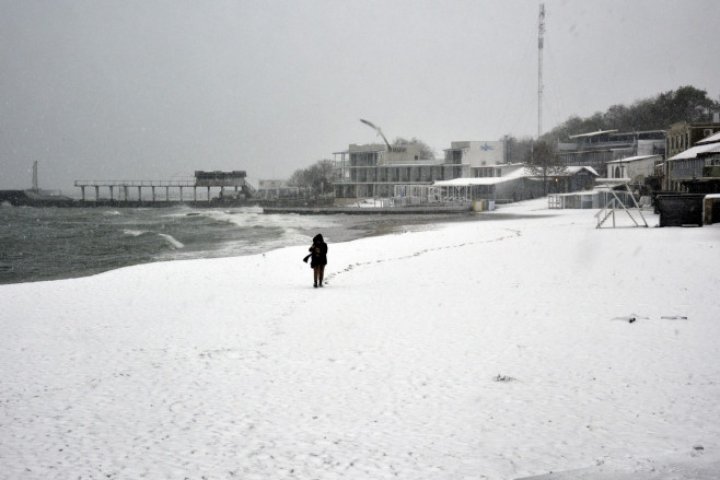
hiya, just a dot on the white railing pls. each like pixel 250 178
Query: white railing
pixel 190 182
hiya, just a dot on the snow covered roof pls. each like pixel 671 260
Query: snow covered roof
pixel 697 150
pixel 711 139
pixel 470 181
pixel 514 175
pixel 425 163
pixel 634 159
pixel 573 169
pixel 592 134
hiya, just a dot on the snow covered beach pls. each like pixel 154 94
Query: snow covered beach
pixel 477 350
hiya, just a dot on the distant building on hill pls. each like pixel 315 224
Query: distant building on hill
pixel 683 135
pixel 596 149
pixel 696 169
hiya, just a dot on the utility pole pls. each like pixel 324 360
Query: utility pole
pixel 541 41
pixel 541 44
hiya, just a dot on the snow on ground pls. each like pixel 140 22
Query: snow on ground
pixel 489 349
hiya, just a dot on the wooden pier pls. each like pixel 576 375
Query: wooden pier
pixel 227 185
pixel 120 190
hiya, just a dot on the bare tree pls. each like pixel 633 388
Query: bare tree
pixel 426 152
pixel 318 178
pixel 544 160
pixel 517 150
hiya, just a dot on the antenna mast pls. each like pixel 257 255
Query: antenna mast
pixel 541 39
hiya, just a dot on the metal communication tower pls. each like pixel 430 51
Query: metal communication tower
pixel 541 38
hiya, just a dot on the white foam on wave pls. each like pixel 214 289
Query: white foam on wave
pixel 171 240
pixel 241 217
pixel 112 213
pixel 253 217
pixel 286 230
pixel 133 233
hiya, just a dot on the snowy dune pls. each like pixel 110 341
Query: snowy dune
pixel 490 349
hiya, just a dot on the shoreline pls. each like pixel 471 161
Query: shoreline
pixel 337 227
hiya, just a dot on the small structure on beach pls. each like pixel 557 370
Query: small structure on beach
pixel 517 183
pixel 504 188
pixel 711 209
pixel 596 149
pixel 598 197
pixel 632 170
pixel 277 190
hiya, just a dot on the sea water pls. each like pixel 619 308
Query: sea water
pixel 54 243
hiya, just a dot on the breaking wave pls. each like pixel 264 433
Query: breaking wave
pixel 171 240
pixel 60 243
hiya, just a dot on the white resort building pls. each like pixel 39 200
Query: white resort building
pixel 365 171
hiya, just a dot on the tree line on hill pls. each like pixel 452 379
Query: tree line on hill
pixel 687 103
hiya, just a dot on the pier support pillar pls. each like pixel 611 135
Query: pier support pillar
pixel 208 194
pixel 82 192
pixel 194 194
pixel 97 193
pixel 139 194
pixel 153 194
pixel 167 194
pixel 125 191
pixel 112 192
pixel 181 194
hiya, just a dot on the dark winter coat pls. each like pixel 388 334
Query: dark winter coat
pixel 318 252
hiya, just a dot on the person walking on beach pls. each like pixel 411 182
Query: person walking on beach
pixel 318 259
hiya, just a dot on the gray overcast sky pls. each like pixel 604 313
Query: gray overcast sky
pixel 155 89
